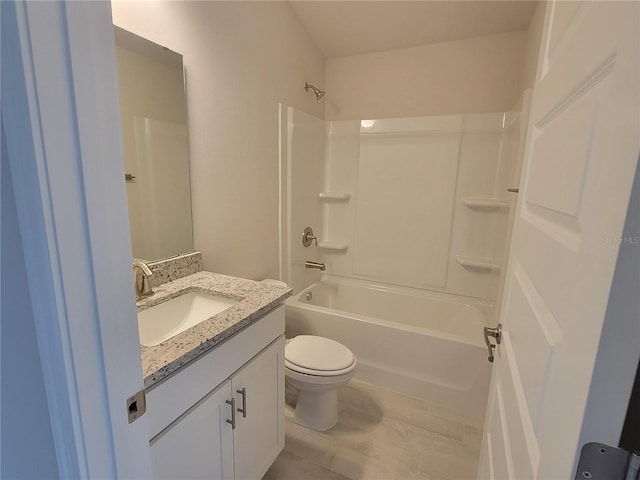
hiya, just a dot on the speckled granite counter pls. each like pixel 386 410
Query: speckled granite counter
pixel 255 299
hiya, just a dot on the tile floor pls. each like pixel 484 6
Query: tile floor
pixel 381 435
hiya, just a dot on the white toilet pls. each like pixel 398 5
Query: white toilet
pixel 317 367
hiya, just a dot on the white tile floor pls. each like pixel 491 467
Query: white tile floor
pixel 381 435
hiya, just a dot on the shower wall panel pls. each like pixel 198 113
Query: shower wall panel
pixel 408 221
pixel 404 206
pixel 303 139
pixel 416 202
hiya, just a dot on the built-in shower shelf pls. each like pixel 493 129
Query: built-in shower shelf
pixel 334 196
pixel 335 246
pixel 478 263
pixel 484 203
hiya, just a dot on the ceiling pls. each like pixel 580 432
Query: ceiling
pixel 343 28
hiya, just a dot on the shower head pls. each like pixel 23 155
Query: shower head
pixel 319 93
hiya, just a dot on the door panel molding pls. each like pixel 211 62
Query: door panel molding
pixel 580 155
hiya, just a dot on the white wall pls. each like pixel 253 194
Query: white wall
pixel 241 60
pixel 477 75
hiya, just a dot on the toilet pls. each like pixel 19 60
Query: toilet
pixel 316 367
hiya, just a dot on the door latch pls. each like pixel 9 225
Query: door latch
pixel 136 406
pixel 496 333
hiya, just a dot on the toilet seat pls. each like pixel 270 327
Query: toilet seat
pixel 318 356
pixel 319 373
pixel 317 382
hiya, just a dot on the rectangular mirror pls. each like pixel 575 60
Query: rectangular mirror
pixel 156 147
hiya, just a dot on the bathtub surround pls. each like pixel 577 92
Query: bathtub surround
pixel 518 132
pixel 302 172
pixel 173 268
pixel 415 215
pixel 420 202
pixel 406 181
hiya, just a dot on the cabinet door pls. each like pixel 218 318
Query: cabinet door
pixel 199 444
pixel 259 436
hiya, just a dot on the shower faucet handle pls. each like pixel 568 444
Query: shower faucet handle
pixel 308 237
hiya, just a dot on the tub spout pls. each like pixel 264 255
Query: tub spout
pixel 318 265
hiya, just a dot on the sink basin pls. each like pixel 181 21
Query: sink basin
pixel 168 319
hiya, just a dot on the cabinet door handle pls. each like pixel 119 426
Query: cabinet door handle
pixel 243 410
pixel 232 402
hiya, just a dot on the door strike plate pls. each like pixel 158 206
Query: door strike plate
pixel 136 406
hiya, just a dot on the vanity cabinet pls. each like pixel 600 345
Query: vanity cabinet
pixel 259 393
pixel 235 430
pixel 198 444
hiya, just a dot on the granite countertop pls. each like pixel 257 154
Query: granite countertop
pixel 255 299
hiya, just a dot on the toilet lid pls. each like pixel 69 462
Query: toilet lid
pixel 318 353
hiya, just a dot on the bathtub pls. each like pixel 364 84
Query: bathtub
pixel 427 345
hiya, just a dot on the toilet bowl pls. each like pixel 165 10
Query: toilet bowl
pixel 316 367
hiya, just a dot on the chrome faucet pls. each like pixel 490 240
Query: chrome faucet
pixel 142 279
pixel 319 265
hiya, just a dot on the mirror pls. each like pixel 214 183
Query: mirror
pixel 156 147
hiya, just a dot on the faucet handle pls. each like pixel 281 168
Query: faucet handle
pixel 308 237
pixel 143 266
pixel 142 279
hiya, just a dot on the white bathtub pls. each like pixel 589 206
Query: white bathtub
pixel 427 345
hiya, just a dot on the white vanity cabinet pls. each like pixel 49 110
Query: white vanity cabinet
pixel 259 391
pixel 198 444
pixel 196 434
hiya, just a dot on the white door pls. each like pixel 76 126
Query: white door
pixel 581 154
pixel 60 116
